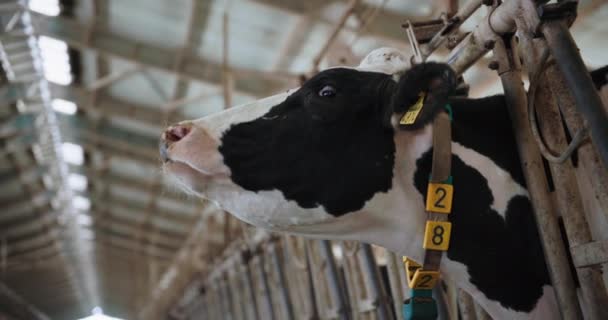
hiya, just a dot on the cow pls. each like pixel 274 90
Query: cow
pixel 329 160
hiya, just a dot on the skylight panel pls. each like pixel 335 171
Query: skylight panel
pixel 99 315
pixel 56 60
pixel 81 203
pixel 64 106
pixel 73 153
pixel 46 7
pixel 84 219
pixel 77 182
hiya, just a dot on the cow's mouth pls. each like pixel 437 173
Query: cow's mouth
pixel 190 155
pixel 185 176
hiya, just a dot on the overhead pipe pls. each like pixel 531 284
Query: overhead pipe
pixel 452 24
pixel 522 14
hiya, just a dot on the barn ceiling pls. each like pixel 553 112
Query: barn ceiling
pixel 86 217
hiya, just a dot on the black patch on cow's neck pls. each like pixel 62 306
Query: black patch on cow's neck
pixel 335 155
pixel 484 125
pixel 503 256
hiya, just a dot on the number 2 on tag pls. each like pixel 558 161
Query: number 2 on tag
pixel 439 197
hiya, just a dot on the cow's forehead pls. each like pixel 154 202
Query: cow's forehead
pixel 217 123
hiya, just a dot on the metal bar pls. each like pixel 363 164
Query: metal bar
pixel 172 105
pixel 546 219
pixel 227 82
pixel 265 287
pixel 393 264
pixel 249 285
pixel 590 254
pixel 480 313
pixel 439 38
pixel 500 21
pixel 591 169
pixel 588 102
pixel 282 282
pixel 113 78
pixel 109 44
pixel 376 289
pixel 442 304
pixel 569 200
pixel 335 286
pixel 228 297
pixel 17 306
pixel 466 306
pixel 333 35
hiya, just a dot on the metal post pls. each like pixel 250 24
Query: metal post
pixel 573 68
pixel 546 218
pixel 249 285
pixel 278 267
pixel 311 284
pixel 334 279
pixel 589 161
pixel 569 200
pixel 265 287
pixel 220 302
pixel 226 298
pixel 206 312
pixel 461 16
pixel 393 264
pixel 466 306
pixel 375 287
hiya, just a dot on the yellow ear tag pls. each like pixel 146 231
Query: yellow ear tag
pixel 412 113
pixel 411 267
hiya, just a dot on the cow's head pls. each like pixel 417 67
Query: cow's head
pixel 303 158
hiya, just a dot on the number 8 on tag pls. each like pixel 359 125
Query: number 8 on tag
pixel 439 197
pixel 437 235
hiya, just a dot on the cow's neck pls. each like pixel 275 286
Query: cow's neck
pixel 394 220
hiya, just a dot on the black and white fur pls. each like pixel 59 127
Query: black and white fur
pixel 337 167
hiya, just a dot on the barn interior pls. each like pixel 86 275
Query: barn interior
pixel 90 227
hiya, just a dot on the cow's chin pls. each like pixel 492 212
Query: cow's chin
pixel 187 178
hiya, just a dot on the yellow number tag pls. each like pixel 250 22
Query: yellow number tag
pixel 412 113
pixel 424 280
pixel 411 267
pixel 437 235
pixel 439 197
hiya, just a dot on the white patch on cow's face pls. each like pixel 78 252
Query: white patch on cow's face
pixel 195 160
pixel 501 183
pixel 217 124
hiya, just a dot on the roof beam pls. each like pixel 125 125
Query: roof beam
pixel 166 236
pixel 17 306
pixel 106 43
pixel 133 206
pixel 386 25
pixel 131 183
pixel 110 106
pixel 109 230
pixel 127 243
pixel 43 197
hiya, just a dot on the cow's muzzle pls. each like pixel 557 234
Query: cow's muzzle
pixel 172 135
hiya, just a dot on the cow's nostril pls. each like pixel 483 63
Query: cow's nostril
pixel 176 133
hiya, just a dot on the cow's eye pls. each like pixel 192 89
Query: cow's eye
pixel 327 91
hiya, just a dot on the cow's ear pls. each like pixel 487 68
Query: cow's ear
pixel 421 93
